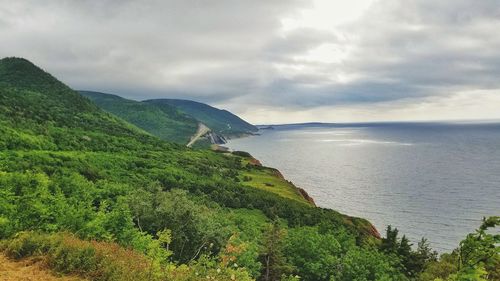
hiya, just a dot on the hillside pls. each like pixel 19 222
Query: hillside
pixel 220 121
pixel 165 122
pixel 39 112
pixel 12 270
pixel 91 196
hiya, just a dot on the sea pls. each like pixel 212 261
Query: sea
pixel 432 180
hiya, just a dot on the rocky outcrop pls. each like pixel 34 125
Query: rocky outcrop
pixel 216 138
pixel 255 162
pixel 306 196
pixel 278 174
pixel 374 232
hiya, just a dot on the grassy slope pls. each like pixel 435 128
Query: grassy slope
pixel 165 122
pixel 39 112
pixel 28 269
pixel 221 121
pixel 266 179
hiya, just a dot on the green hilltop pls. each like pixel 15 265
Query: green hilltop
pixel 39 112
pixel 220 121
pixel 165 122
pixel 174 120
pixel 94 196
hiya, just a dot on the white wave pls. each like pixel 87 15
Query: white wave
pixel 352 142
pixel 331 133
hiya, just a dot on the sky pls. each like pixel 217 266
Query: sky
pixel 273 61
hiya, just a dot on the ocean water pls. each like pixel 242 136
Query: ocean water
pixel 430 180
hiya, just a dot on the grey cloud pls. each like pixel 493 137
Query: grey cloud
pixel 296 42
pixel 431 47
pixel 236 51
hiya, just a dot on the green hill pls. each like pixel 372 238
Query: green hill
pixel 221 121
pixel 165 122
pixel 91 195
pixel 37 111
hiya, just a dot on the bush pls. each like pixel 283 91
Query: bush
pixel 90 259
pixel 242 154
pixel 103 261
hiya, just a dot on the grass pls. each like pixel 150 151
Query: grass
pixel 268 179
pixel 78 259
pixel 29 269
pixel 68 255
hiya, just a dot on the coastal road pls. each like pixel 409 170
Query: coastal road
pixel 202 130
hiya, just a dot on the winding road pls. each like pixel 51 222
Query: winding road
pixel 202 130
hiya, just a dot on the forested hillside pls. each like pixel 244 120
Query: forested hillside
pixel 93 196
pixel 165 122
pixel 221 121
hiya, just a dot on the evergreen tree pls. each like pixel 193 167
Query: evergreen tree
pixel 272 257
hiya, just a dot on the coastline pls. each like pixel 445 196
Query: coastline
pixel 369 227
pixel 255 161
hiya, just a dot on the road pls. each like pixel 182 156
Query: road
pixel 202 130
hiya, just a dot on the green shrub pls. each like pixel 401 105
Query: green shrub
pixel 67 254
pixel 242 153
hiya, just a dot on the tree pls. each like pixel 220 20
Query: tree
pixel 273 260
pixel 479 253
pixel 195 228
pixel 390 242
pixel 412 263
pixel 477 258
pixel 314 255
pixel 423 256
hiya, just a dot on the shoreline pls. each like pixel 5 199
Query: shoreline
pixel 370 229
pixel 255 161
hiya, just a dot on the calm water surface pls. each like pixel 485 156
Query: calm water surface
pixel 432 180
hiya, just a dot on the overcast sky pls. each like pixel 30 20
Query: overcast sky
pixel 273 61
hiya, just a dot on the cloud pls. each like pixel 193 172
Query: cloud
pixel 274 54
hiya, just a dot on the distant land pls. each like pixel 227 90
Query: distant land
pixel 384 123
pixel 175 120
pixel 220 121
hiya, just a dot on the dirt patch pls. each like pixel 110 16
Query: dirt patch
pixel 28 270
pixel 254 162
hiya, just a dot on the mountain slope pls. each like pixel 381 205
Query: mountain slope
pixel 37 111
pixel 165 122
pixel 220 121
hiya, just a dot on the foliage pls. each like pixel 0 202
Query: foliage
pixel 94 260
pixel 89 259
pixel 411 262
pixel 242 153
pixel 477 258
pixel 269 180
pixel 274 264
pixel 315 256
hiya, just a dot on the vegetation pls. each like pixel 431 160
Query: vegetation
pixel 242 153
pixel 220 121
pixel 477 257
pixel 97 197
pixel 93 260
pixel 270 180
pixel 165 122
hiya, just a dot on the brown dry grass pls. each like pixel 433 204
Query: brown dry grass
pixel 28 270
